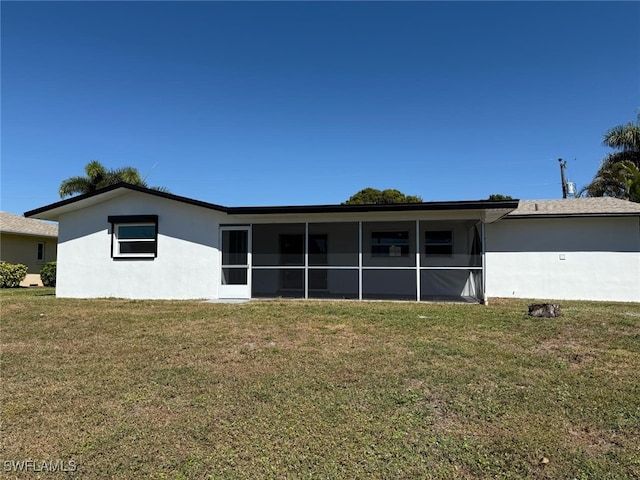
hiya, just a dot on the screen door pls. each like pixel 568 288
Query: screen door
pixel 235 275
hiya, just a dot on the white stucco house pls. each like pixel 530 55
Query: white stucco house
pixel 131 242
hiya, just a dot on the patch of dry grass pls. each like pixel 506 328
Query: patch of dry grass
pixel 272 389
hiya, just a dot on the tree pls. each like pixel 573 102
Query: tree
pixel 626 139
pixel 370 196
pixel 619 180
pixel 97 176
pixel 499 196
pixel 619 173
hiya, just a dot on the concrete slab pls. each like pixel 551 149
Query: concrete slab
pixel 228 300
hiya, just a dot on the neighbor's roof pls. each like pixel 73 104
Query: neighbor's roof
pixel 576 207
pixel 10 223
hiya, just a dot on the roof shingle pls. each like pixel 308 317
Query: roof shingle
pixel 588 206
pixel 10 223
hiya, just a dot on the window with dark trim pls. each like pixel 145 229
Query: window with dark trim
pixel 40 252
pixel 438 242
pixel 134 236
pixel 390 244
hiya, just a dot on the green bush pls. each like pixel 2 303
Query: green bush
pixel 48 274
pixel 11 275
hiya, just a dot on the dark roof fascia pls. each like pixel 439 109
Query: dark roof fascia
pixel 135 188
pixel 396 207
pixel 263 210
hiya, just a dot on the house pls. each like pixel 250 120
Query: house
pixel 29 242
pixel 132 242
pixel 574 249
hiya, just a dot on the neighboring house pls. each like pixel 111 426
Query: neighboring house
pixel 30 242
pixel 132 242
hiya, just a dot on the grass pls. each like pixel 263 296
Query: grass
pixel 305 389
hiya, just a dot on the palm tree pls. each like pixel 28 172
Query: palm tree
pixel 97 176
pixel 619 180
pixel 619 174
pixel 626 139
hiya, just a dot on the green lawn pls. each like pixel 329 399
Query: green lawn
pixel 314 389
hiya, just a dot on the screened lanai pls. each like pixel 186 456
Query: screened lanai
pixel 429 260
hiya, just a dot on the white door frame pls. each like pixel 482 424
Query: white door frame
pixel 235 290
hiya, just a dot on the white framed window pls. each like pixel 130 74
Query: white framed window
pixel 134 236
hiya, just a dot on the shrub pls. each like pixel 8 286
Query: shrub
pixel 48 274
pixel 12 274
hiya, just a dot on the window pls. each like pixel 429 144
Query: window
pixel 390 244
pixel 438 242
pixel 40 253
pixel 134 236
pixel 135 240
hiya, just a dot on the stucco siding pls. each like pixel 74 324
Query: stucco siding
pixel 528 254
pixel 24 249
pixel 564 258
pixel 186 266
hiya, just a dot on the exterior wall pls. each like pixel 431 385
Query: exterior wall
pixel 570 258
pixel 24 249
pixel 186 267
pixel 565 258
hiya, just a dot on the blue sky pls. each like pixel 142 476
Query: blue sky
pixel 283 103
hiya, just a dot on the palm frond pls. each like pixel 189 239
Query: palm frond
pixel 100 177
pixel 623 137
pixel 619 180
pixel 623 156
pixel 75 185
pixel 95 171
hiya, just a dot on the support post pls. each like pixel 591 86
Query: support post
pixel 418 287
pixel 485 300
pixel 360 260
